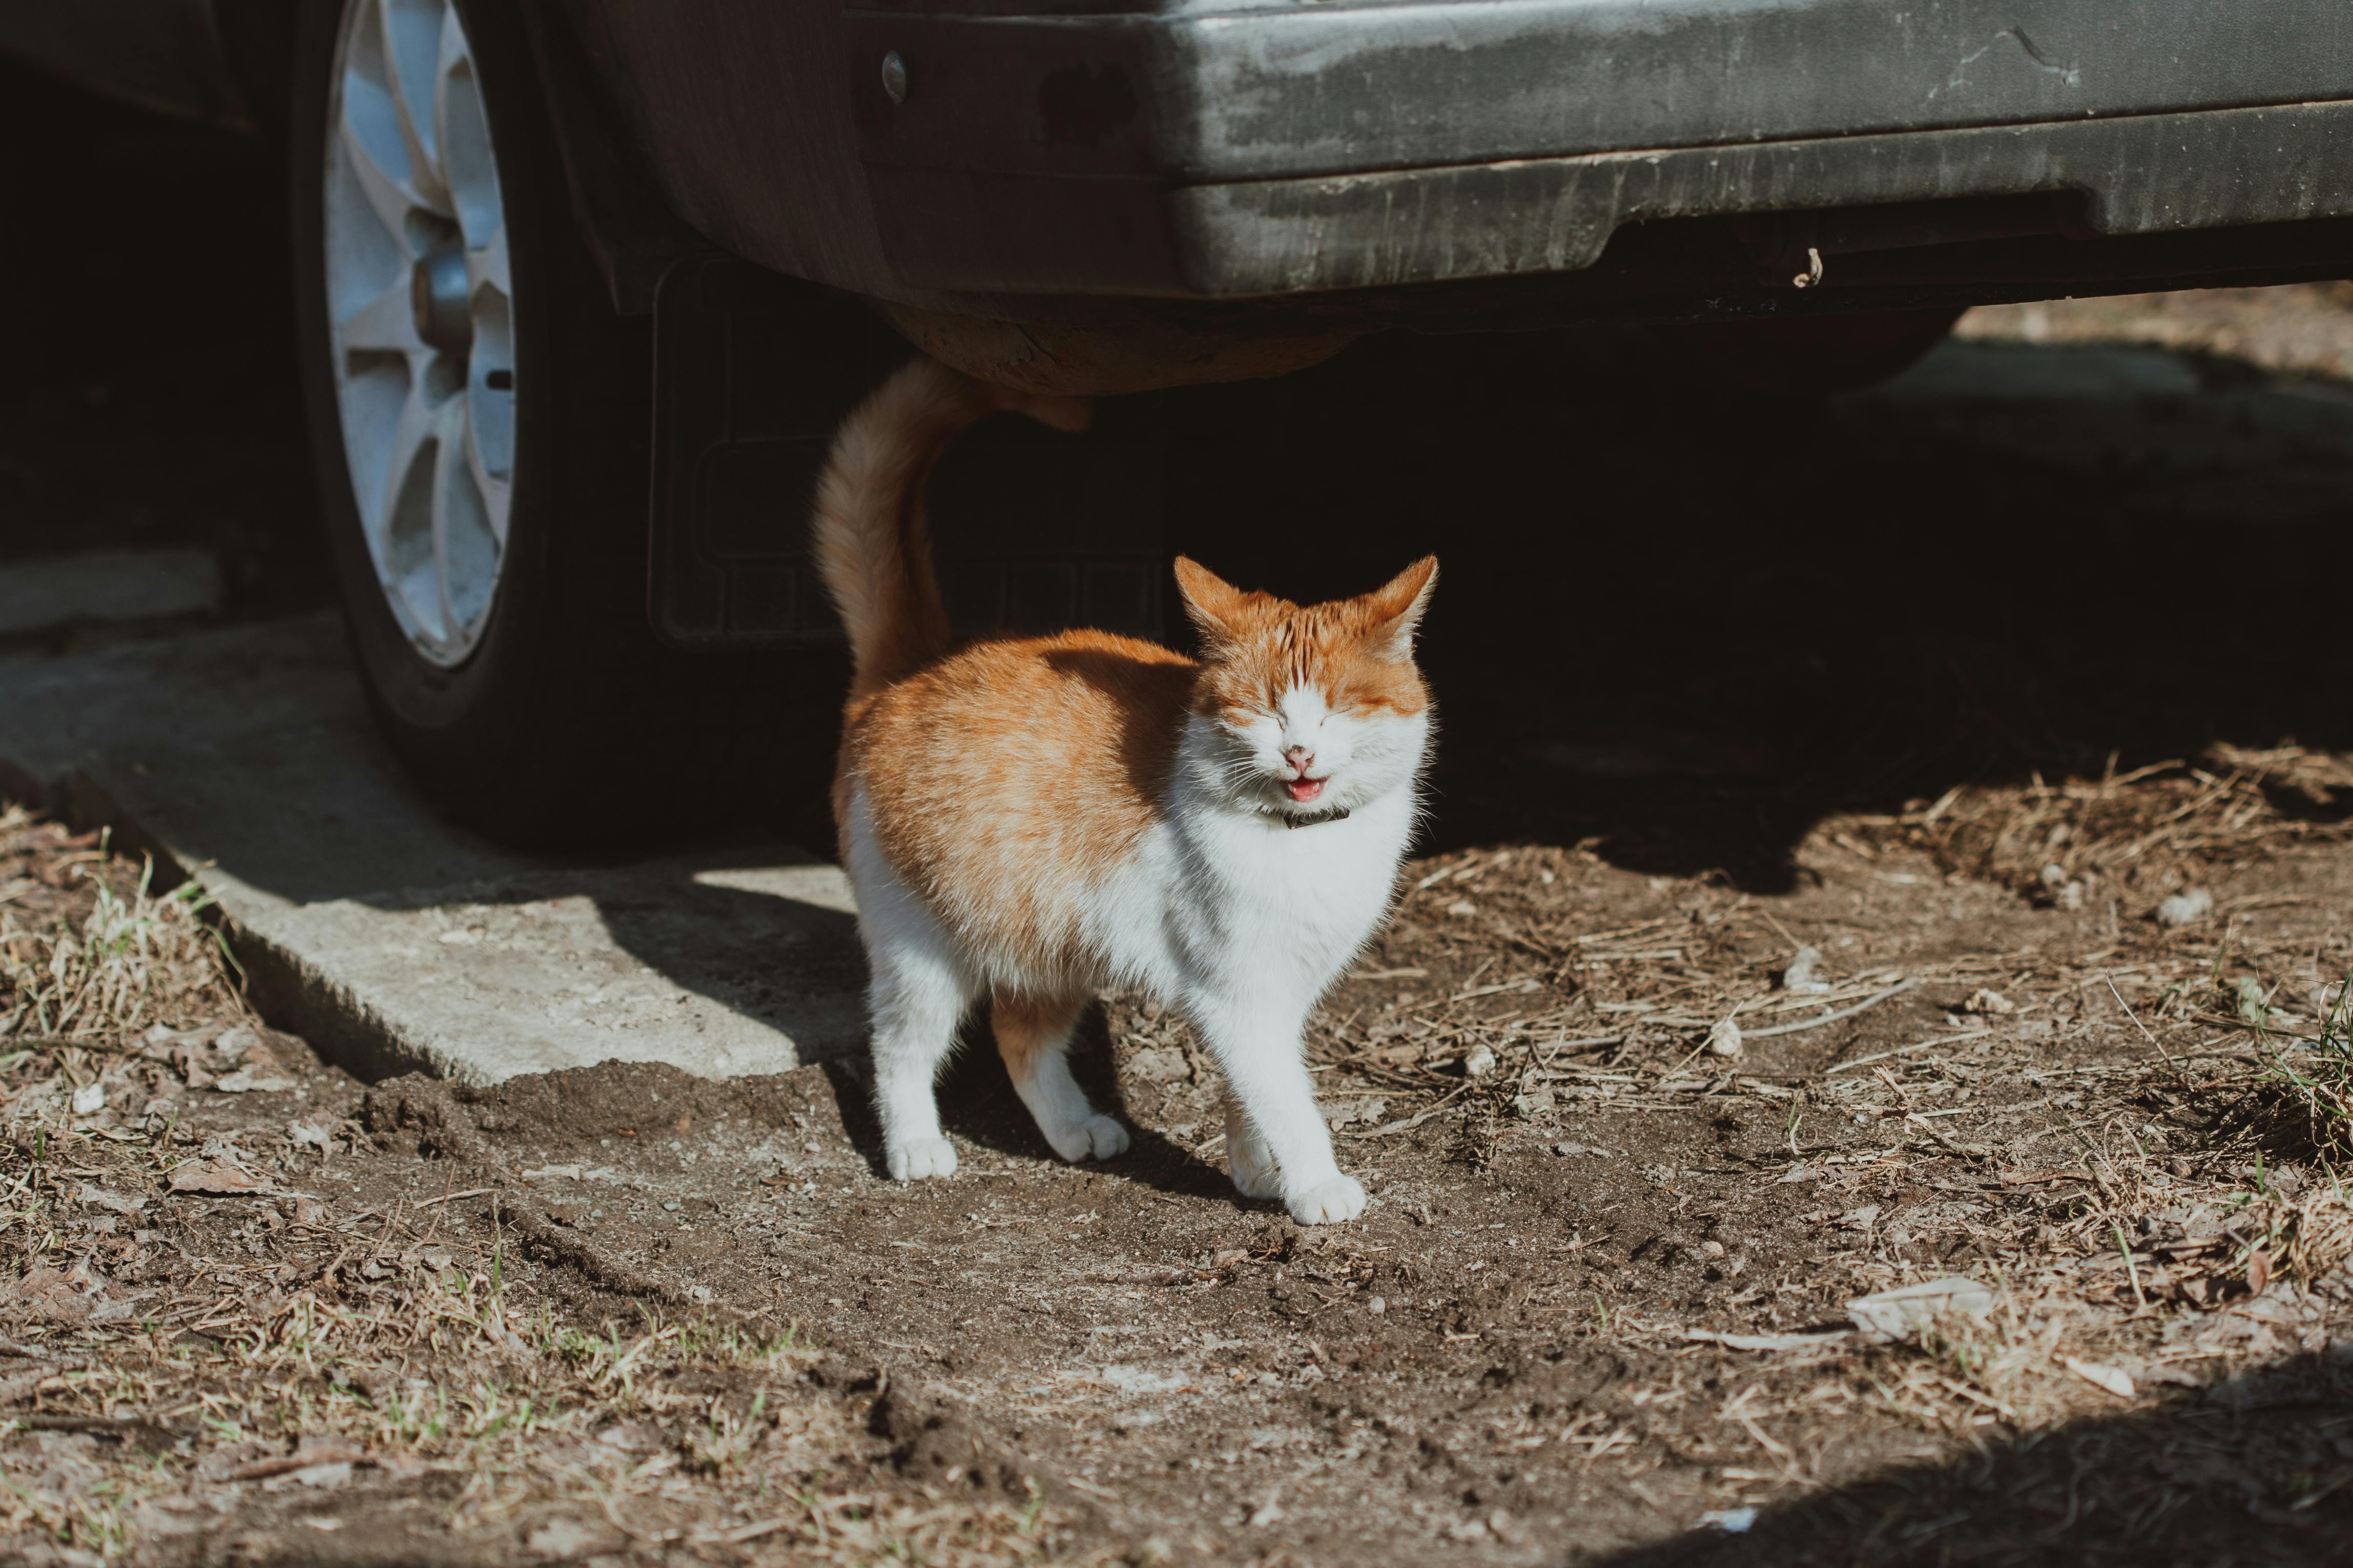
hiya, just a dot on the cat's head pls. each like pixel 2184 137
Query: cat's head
pixel 1314 708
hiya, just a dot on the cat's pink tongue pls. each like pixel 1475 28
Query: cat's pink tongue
pixel 1304 789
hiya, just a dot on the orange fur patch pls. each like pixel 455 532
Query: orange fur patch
pixel 1011 767
pixel 869 532
pixel 1024 1028
pixel 1357 652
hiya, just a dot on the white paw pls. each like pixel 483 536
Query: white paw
pixel 921 1157
pixel 1255 1174
pixel 1097 1138
pixel 1329 1203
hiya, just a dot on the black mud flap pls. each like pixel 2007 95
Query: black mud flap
pixel 1034 531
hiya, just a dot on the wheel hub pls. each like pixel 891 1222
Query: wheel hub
pixel 440 300
pixel 420 302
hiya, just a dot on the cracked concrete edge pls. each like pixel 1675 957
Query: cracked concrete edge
pixel 306 970
pixel 287 989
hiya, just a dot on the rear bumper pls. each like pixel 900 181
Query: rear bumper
pixel 2146 175
pixel 1286 150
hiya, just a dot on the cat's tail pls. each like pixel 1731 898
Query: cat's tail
pixel 872 540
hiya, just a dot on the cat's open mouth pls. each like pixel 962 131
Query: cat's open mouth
pixel 1303 790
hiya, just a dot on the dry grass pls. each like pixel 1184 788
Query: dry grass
pixel 436 1378
pixel 2169 1213
pixel 2177 1215
pixel 2142 831
pixel 88 952
pixel 174 1349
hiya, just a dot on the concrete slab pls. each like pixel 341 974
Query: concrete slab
pixel 1961 370
pixel 245 757
pixel 106 585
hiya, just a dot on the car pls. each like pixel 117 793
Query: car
pixel 582 289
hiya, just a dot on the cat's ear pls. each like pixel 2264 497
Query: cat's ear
pixel 1393 609
pixel 1213 604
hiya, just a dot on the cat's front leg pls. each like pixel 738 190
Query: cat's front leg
pixel 1276 1142
pixel 1255 1172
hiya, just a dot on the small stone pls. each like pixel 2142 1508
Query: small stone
pixel 45 1295
pixel 1377 1306
pixel 1724 1040
pixel 89 1099
pixel 631 1436
pixel 217 1177
pixel 2063 891
pixel 99 1198
pixel 257 1071
pixel 1894 1315
pixel 1160 1065
pixel 1480 1062
pixel 560 1537
pixel 336 1473
pixel 2113 1379
pixel 2185 908
pixel 247 1081
pixel 1985 1003
pixel 1798 978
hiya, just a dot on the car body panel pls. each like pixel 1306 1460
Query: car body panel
pixel 162 55
pixel 1202 95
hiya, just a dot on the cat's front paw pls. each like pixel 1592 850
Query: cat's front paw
pixel 921 1157
pixel 1255 1172
pixel 1096 1137
pixel 1329 1203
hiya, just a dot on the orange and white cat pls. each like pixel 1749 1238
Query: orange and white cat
pixel 1031 819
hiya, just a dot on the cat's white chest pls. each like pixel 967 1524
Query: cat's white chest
pixel 1292 905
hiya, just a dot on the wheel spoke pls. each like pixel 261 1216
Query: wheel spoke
pixel 375 395
pixel 465 546
pixel 487 264
pixel 389 196
pixel 491 408
pixel 406 556
pixel 412 31
pixel 386 323
pixel 468 168
pixel 497 487
pixel 418 416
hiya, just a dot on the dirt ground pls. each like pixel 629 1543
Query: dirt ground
pixel 1597 1311
pixel 2024 714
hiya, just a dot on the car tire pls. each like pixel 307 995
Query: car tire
pixel 508 659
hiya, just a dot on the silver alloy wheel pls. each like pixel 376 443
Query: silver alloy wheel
pixel 420 316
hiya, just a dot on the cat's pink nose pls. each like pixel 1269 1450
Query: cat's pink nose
pixel 1298 757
